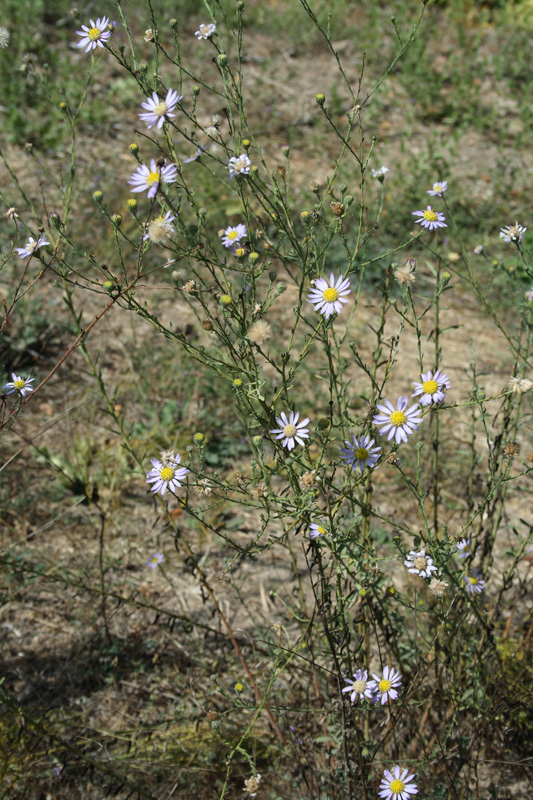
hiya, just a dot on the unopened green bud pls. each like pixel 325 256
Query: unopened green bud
pixel 256 441
pixel 132 204
pixel 324 423
pixel 348 200
pixel 391 590
pixel 55 219
pixel 63 106
pixel 280 288
pixel 173 23
pixel 343 189
pixel 237 383
pixel 362 592
pixel 445 277
pixel 134 149
pixel 272 276
pixel 29 147
pixel 198 437
pixel 226 299
pixel 246 143
pixel 202 212
pixel 320 99
pixel 239 5
pixel 196 90
pixel 97 196
pixel 108 286
pixel 222 59
pixel 253 257
pixel 143 68
pixel 305 215
pixel 116 219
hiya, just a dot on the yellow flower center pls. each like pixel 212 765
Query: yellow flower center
pixel 384 685
pixel 398 418
pixel 397 786
pixel 430 387
pixel 321 530
pixel 161 109
pixel 437 188
pixel 232 235
pixel 19 384
pixel 239 687
pixel 289 431
pixel 361 453
pixel 166 473
pixel 94 34
pixel 420 562
pixel 359 686
pixel 473 580
pixel 331 294
pixel 204 30
pixel 430 216
pixel 152 177
pixel 239 251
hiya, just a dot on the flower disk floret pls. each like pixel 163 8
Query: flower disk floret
pixel 418 563
pixel 399 422
pixel 20 385
pixel 430 219
pixel 360 453
pixel 95 35
pixel 431 390
pixel 158 110
pixel 166 474
pixel 385 686
pixel 327 298
pixel 31 246
pixel 233 235
pixel 397 785
pixel 359 686
pixel 144 179
pixel 290 430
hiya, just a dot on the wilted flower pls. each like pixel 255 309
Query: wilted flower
pixel 291 430
pixel 252 785
pixel 431 390
pixel 158 109
pixel 519 385
pixel 384 687
pixel 20 385
pixel 327 298
pixel 360 453
pixel 166 475
pixel 438 188
pixel 399 422
pixel 148 179
pixel 474 583
pixel 239 166
pixel 511 449
pixel 430 219
pixel 156 559
pixel 148 35
pixel 308 479
pixel 405 274
pixel 397 785
pixel 513 233
pixel 31 246
pixel 231 235
pixel 94 36
pixel 188 287
pixel 359 686
pixel 204 486
pixel 437 587
pixel 420 564
pixel 259 332
pixel 205 31
pixel 4 37
pixel 160 230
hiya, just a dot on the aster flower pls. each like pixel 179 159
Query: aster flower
pixel 148 179
pixel 155 560
pixel 327 298
pixel 160 230
pixel 431 390
pixel 529 295
pixel 239 166
pixel 165 473
pixel 317 529
pixel 438 188
pixel 478 250
pixel 360 453
pixel 195 156
pixel 474 582
pixel 399 422
pixel 385 687
pixel 158 110
pixel 420 564
pixel 360 686
pixel 96 35
pixel 513 233
pixel 291 430
pixel 397 785
pixel 519 385
pixel 231 236
pixel 4 37
pixel 462 546
pixel 379 173
pixel 205 31
pixel 430 219
pixel 31 246
pixel 20 385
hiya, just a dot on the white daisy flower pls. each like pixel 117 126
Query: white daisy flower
pixel 430 219
pixel 155 560
pixel 385 686
pixel 438 188
pixel 431 389
pixel 148 179
pixel 317 529
pixel 165 474
pixel 327 298
pixel 205 31
pixel 239 166
pixel 20 385
pixel 462 546
pixel 158 110
pixel 160 230
pixel 94 36
pixel 397 785
pixel 399 422
pixel 513 233
pixel 360 453
pixel 420 564
pixel 233 235
pixel 379 173
pixel 359 686
pixel 31 246
pixel 4 37
pixel 291 430
pixel 474 582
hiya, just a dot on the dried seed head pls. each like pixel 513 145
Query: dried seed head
pixel 259 332
pixel 511 449
pixel 437 587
